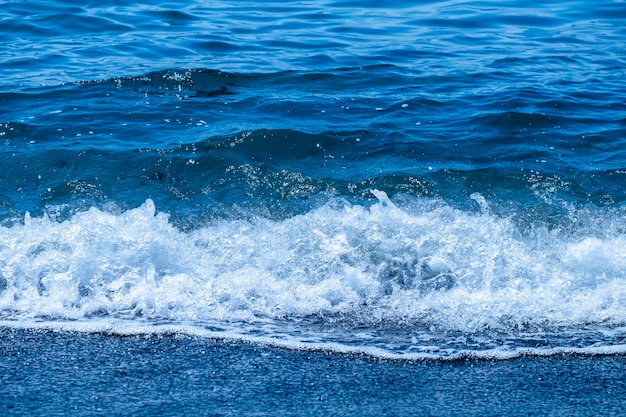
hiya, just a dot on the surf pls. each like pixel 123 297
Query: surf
pixel 412 277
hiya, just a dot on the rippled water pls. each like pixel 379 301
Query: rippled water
pixel 433 180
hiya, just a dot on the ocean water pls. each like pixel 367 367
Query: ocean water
pixel 438 181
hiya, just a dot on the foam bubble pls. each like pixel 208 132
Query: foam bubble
pixel 403 280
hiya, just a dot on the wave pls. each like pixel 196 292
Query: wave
pixel 421 279
pixel 193 171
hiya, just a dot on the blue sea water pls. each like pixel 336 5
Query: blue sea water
pixel 409 181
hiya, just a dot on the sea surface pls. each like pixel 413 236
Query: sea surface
pixel 386 193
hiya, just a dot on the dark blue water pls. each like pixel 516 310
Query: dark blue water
pixel 434 180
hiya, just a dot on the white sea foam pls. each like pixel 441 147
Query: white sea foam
pixel 405 281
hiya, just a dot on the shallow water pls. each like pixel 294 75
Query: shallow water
pixel 433 181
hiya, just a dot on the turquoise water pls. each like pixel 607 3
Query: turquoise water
pixel 436 180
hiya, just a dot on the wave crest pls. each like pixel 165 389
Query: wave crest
pixel 426 265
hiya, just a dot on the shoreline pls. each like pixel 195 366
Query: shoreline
pixel 53 373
